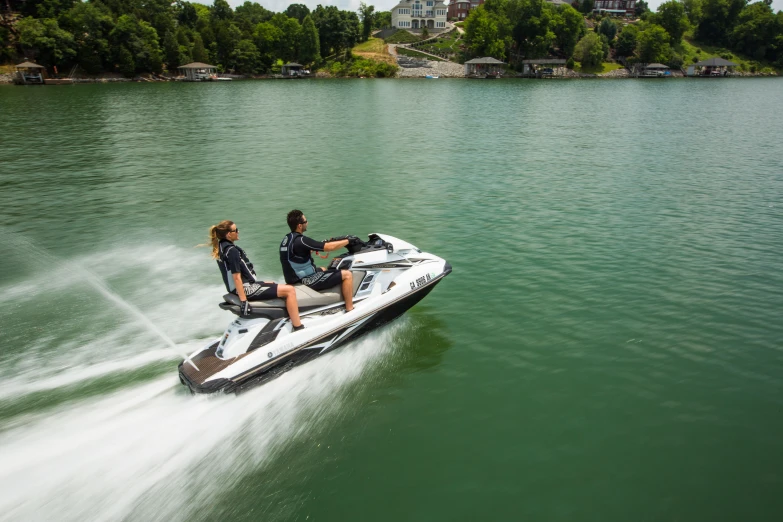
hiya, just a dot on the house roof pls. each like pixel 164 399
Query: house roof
pixel 485 59
pixel 31 65
pixel 293 65
pixel 715 62
pixel 197 65
pixel 545 61
pixel 656 66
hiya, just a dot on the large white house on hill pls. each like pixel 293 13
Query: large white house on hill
pixel 416 14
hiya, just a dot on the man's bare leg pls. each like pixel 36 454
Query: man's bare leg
pixel 288 293
pixel 348 289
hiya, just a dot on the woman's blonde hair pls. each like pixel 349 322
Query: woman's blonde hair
pixel 217 233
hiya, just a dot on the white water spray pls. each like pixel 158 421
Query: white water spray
pixel 103 288
pixel 149 453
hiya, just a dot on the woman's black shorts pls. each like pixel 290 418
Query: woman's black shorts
pixel 260 291
pixel 323 280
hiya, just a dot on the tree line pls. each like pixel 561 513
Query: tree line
pixel 148 36
pixel 514 30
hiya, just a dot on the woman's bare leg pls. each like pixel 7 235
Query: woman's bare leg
pixel 347 289
pixel 288 293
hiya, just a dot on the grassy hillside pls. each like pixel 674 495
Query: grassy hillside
pixel 374 49
pixel 403 36
pixel 693 51
pixel 597 69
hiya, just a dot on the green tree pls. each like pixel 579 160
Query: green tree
pixel 141 40
pixel 309 48
pixel 533 24
pixel 199 51
pixel 125 62
pixel 337 30
pixel 608 28
pixel 221 11
pixel 171 51
pixel 757 32
pixel 589 50
pixel 382 19
pixel 626 41
pixel 652 45
pixel 227 37
pixel 586 6
pixel 185 45
pixel 245 57
pixel 45 8
pixel 641 8
pixel 298 11
pixel 692 10
pixel 718 18
pixel 290 34
pixel 267 38
pixel 672 17
pixel 248 15
pixel 46 41
pixel 569 27
pixel 482 34
pixel 91 24
pixel 367 16
pixel 187 16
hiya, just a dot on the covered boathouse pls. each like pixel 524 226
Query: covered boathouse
pixel 29 73
pixel 198 71
pixel 541 67
pixel 485 67
pixel 294 70
pixel 713 68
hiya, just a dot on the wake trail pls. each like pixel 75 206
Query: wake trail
pixel 153 452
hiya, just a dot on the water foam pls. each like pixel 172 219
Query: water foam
pixel 148 451
pixel 58 351
pixel 151 452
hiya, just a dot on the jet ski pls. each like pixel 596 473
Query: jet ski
pixel 389 277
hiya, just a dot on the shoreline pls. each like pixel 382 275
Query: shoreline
pixel 420 72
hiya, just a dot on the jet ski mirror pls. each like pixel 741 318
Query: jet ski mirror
pixel 389 248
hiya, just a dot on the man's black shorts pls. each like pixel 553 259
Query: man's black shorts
pixel 323 280
pixel 260 291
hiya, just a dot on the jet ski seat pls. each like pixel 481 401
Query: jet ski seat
pixel 306 297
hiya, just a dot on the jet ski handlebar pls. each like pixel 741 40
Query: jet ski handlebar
pixel 356 245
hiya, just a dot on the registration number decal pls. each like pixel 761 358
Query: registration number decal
pixel 420 281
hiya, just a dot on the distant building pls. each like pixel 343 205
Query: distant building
pixel 618 7
pixel 459 9
pixel 417 14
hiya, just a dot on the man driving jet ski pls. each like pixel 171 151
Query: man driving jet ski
pixel 297 260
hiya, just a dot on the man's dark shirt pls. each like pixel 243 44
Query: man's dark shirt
pixel 297 248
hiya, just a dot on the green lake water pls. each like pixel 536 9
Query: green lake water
pixel 609 346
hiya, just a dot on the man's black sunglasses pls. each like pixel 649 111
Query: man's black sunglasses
pixel 303 222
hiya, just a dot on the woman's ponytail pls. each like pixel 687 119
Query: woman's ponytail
pixel 217 233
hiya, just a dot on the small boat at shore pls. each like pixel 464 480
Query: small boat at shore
pixel 432 77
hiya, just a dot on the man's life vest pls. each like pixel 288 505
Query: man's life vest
pixel 295 267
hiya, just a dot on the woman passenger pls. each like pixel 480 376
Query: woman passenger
pixel 240 278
